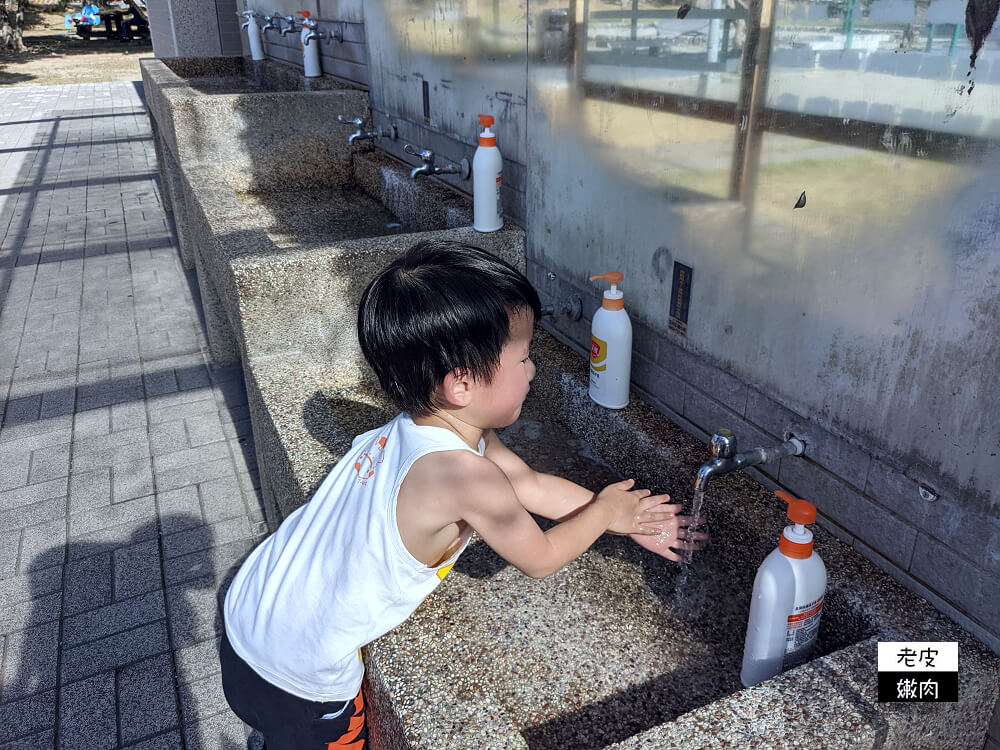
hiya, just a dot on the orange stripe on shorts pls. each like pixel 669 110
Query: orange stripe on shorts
pixel 349 740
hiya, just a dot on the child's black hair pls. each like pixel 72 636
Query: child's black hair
pixel 443 305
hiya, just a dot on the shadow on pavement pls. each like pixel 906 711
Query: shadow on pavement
pixel 116 643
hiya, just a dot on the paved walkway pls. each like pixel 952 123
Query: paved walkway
pixel 127 478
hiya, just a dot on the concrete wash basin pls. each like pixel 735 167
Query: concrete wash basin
pixel 369 196
pixel 255 139
pixel 377 198
pixel 612 651
pixel 238 75
pixel 256 172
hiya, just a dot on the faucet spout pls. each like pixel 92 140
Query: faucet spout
pixel 428 168
pixel 726 460
pixel 715 467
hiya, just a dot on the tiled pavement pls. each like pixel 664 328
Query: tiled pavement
pixel 127 479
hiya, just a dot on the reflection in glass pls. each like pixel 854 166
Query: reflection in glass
pixel 894 62
pixel 664 47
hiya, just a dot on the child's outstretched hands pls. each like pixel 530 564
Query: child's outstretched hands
pixel 674 533
pixel 651 521
pixel 637 511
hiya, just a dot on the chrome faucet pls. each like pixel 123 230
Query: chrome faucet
pixel 269 23
pixel 248 15
pixel 726 459
pixel 314 32
pixel 290 20
pixel 360 134
pixel 428 167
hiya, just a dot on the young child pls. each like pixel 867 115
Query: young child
pixel 446 328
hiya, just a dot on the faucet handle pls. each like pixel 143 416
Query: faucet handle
pixel 426 155
pixel 723 444
pixel 357 121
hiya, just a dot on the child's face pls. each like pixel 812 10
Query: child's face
pixel 502 398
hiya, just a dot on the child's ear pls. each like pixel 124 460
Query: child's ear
pixel 456 388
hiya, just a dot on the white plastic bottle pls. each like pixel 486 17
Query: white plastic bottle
pixel 787 600
pixel 487 177
pixel 253 35
pixel 611 347
pixel 310 49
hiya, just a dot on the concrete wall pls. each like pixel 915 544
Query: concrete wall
pixel 161 30
pixel 440 65
pixel 346 60
pixel 187 28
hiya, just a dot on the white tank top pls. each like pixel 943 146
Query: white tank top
pixel 336 574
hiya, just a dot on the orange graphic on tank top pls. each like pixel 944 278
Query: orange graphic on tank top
pixel 366 465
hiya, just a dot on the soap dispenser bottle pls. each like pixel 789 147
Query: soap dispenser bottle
pixel 611 346
pixel 487 176
pixel 787 600
pixel 310 51
pixel 253 34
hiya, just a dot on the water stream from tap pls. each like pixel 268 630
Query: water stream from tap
pixel 688 603
pixel 699 498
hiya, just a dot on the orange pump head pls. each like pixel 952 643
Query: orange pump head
pixel 612 277
pixel 613 298
pixel 303 13
pixel 487 138
pixel 800 512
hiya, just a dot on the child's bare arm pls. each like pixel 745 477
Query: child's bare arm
pixel 554 497
pixel 484 498
pixel 661 527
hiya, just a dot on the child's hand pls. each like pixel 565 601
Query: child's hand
pixel 633 508
pixel 675 533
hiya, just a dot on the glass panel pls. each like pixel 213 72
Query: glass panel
pixel 893 62
pixel 835 194
pixel 665 47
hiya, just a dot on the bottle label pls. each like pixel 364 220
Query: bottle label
pixel 801 630
pixel 598 354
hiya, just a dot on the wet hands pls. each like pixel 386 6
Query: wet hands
pixel 637 511
pixel 675 533
pixel 651 522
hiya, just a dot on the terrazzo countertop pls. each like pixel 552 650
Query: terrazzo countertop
pixel 618 649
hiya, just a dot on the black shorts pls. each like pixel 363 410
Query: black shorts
pixel 287 721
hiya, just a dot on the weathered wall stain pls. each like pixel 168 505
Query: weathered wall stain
pixel 663 263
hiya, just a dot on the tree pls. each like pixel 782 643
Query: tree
pixel 11 25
